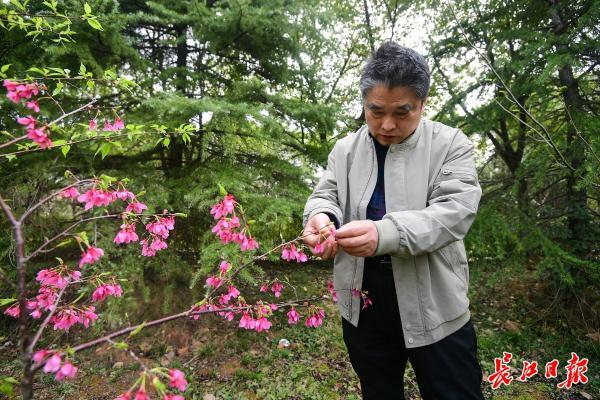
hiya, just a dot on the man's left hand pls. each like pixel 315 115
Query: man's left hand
pixel 358 238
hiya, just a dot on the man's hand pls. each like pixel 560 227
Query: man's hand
pixel 319 228
pixel 358 238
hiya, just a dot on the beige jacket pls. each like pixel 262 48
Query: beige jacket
pixel 431 197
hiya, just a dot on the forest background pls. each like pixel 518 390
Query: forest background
pixel 268 87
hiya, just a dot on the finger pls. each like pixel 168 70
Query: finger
pixel 350 230
pixel 310 239
pixel 352 242
pixel 361 251
pixel 327 252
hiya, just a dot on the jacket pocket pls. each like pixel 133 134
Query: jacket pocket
pixel 442 287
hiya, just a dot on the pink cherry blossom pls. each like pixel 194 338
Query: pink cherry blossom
pixel 264 288
pixel 331 290
pixel 123 194
pixel 70 193
pixel 213 281
pixel 103 291
pixel 29 122
pixel 136 207
pixel 13 311
pixel 293 316
pixel 40 355
pixel 177 379
pixel 126 234
pixel 65 319
pixel 246 322
pixel 88 316
pixel 233 292
pixel 33 105
pixel 68 370
pixel 224 267
pixel 118 124
pixel 223 208
pixel 316 319
pixel 146 250
pixel 171 396
pixel 90 256
pixel 249 243
pixel 124 396
pixel 93 125
pixel 262 324
pixel 276 288
pixel 40 137
pixel 319 248
pixel 95 197
pixel 10 85
pixel 53 363
pixel 141 395
pixel 51 277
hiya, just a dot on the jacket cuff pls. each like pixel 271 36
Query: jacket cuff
pixel 388 237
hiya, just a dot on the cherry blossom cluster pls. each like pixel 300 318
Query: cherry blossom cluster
pixel 53 363
pixel 16 92
pixel 276 288
pixel 229 228
pixel 332 290
pixel 157 231
pixel 330 240
pixel 291 253
pixel 51 281
pixel 115 126
pixel 366 301
pixel 176 381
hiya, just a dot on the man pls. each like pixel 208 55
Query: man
pixel 403 192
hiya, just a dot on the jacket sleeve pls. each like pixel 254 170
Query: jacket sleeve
pixel 324 199
pixel 451 208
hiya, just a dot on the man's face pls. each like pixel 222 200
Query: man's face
pixel 392 114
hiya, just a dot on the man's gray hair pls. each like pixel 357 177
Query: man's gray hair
pixel 393 65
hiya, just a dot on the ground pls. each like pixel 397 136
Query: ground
pixel 222 361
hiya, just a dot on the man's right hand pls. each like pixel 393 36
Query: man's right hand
pixel 318 228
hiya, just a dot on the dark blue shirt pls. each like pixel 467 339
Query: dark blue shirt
pixel 376 206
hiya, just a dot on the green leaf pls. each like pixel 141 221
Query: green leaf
pixel 58 88
pixel 160 387
pixel 106 181
pixel 5 67
pixel 4 302
pixel 222 190
pixel 10 157
pixel 87 8
pixel 103 149
pixel 121 345
pixel 84 238
pixel 65 150
pixel 94 24
pixel 166 141
pixel 82 69
pixel 138 329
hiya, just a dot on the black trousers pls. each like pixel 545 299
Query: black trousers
pixel 447 369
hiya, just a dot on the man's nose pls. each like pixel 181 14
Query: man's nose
pixel 388 124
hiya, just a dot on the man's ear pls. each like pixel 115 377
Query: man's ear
pixel 424 103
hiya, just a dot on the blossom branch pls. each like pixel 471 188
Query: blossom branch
pixel 40 330
pixel 50 197
pixel 173 317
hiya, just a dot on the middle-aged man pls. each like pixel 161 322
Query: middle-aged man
pixel 403 192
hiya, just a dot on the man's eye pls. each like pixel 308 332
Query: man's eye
pixel 377 114
pixel 401 113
